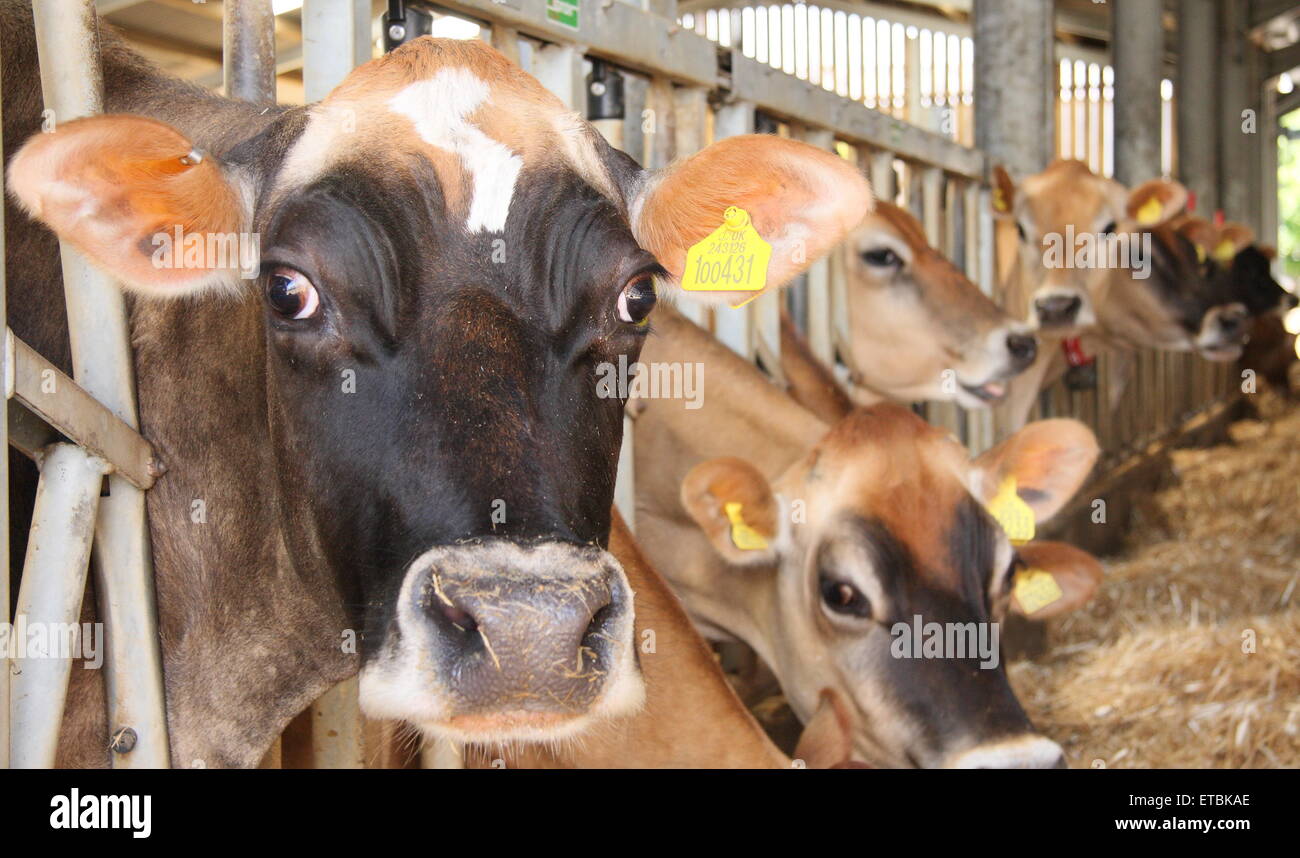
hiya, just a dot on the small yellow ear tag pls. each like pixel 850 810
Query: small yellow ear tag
pixel 1150 212
pixel 1200 253
pixel 1015 516
pixel 999 200
pixel 732 259
pixel 743 536
pixel 1225 251
pixel 1035 589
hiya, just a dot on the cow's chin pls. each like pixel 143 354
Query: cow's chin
pixel 381 698
pixel 389 693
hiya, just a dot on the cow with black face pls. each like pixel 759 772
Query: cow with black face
pixel 395 426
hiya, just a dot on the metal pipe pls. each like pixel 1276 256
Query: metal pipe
pixel 248 50
pixel 1014 64
pixel 71 79
pixel 1198 103
pixel 1138 47
pixel 49 599
pixel 335 40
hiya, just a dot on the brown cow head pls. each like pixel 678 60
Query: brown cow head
pixel 846 563
pixel 919 328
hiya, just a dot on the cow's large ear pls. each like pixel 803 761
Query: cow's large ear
pixel 802 201
pixel 119 187
pixel 1003 199
pixel 733 504
pixel 1156 202
pixel 1074 576
pixel 1048 459
pixel 1232 238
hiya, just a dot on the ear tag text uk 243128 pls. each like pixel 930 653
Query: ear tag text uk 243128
pixel 733 258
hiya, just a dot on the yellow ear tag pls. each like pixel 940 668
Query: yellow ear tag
pixel 1035 589
pixel 1225 251
pixel 1200 253
pixel 999 200
pixel 1150 212
pixel 732 259
pixel 743 536
pixel 1015 516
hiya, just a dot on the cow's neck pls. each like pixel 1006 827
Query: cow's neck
pixel 744 415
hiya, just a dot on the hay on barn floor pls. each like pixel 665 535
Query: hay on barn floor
pixel 1152 673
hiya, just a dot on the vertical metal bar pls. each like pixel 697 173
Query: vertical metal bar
pixel 690 130
pixel 337 734
pixel 819 277
pixel 1137 26
pixel 49 599
pixel 248 50
pixel 559 68
pixel 882 176
pixel 71 79
pixel 335 40
pixel 735 328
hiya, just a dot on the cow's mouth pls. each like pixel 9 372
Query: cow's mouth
pixel 1221 352
pixel 989 391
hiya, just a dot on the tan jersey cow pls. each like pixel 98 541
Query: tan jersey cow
pixel 1095 259
pixel 812 546
pixel 918 328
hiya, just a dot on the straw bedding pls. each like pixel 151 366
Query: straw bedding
pixel 1153 673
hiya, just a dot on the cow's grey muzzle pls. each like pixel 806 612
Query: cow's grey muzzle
pixel 514 641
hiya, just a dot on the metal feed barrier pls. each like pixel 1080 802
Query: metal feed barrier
pixel 681 91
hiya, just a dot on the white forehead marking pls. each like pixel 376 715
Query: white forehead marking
pixel 438 107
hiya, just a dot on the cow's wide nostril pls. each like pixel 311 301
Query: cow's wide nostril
pixel 1058 309
pixel 1023 348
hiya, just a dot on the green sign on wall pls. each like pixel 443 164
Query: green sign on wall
pixel 563 12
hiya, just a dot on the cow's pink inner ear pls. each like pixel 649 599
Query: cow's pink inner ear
pixel 122 190
pixel 801 200
pixel 1049 459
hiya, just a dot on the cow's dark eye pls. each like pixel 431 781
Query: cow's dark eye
pixel 1108 228
pixel 291 294
pixel 841 597
pixel 637 300
pixel 881 257
pixel 1020 230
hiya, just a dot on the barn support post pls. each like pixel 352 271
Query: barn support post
pixel 1198 110
pixel 690 132
pixel 71 80
pixel 335 40
pixel 248 50
pixel 819 277
pixel 1238 114
pixel 49 598
pixel 1137 44
pixel 1015 82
